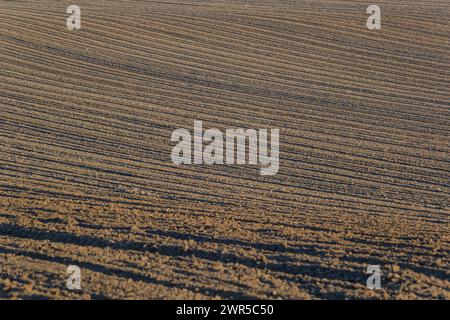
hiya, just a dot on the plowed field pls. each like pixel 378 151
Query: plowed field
pixel 86 178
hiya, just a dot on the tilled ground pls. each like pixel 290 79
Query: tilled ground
pixel 86 177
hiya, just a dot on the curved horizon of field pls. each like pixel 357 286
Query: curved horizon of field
pixel 86 178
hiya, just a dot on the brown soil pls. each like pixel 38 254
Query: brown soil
pixel 86 177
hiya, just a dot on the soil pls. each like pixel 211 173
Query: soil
pixel 86 178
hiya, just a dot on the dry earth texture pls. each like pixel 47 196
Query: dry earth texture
pixel 86 177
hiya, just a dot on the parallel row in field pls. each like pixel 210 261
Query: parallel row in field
pixel 85 125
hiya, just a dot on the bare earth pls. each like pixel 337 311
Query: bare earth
pixel 85 170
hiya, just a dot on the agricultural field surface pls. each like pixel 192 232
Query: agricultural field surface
pixel 86 176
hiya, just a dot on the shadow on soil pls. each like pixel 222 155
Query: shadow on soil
pixel 294 273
